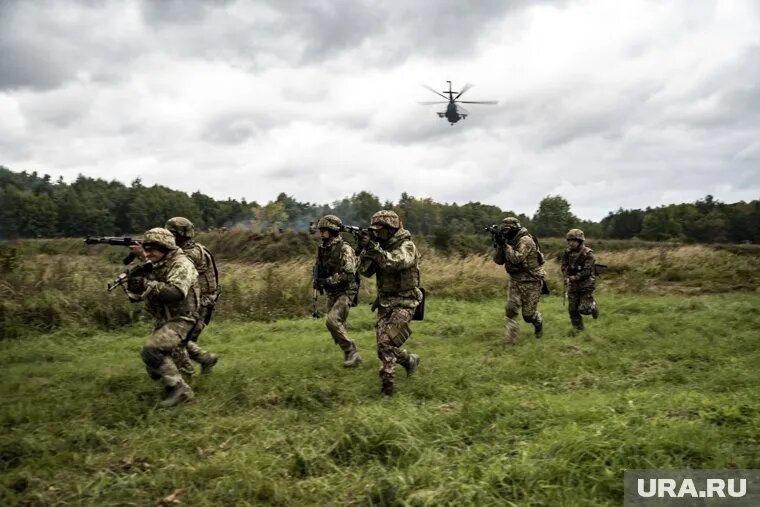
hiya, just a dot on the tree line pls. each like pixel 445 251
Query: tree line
pixel 34 206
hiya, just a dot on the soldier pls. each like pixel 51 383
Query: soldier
pixel 335 272
pixel 522 259
pixel 172 296
pixel 578 270
pixel 208 280
pixel 388 252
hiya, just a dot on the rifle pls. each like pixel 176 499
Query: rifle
pixel 115 240
pixel 498 236
pixel 316 292
pixel 141 269
pixel 564 293
pixel 356 232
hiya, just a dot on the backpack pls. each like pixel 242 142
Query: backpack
pixel 541 258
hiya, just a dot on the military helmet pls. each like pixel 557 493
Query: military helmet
pixel 385 217
pixel 181 226
pixel 330 222
pixel 575 234
pixel 159 237
pixel 510 223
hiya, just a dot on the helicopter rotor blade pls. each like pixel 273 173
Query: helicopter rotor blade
pixel 491 102
pixel 429 88
pixel 464 89
pixel 427 103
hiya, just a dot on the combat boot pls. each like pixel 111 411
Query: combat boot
pixel 387 388
pixel 353 359
pixel 538 328
pixel 208 362
pixel 595 312
pixel 176 395
pixel 411 364
pixel 577 324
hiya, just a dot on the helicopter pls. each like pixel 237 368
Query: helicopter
pixel 454 112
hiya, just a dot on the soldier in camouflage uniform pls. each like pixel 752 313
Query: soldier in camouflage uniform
pixel 389 253
pixel 335 273
pixel 578 270
pixel 521 258
pixel 208 280
pixel 172 296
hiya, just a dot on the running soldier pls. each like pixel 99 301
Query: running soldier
pixel 208 280
pixel 171 294
pixel 335 273
pixel 388 252
pixel 578 269
pixel 520 256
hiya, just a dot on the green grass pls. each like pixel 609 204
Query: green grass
pixel 657 382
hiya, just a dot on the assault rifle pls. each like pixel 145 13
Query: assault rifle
pixel 139 270
pixel 115 240
pixel 498 236
pixel 316 292
pixel 356 232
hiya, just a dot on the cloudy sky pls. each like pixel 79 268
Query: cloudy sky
pixel 633 103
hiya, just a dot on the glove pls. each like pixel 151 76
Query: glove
pixel 364 240
pixel 136 284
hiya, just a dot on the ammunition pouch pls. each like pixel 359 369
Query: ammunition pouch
pixel 399 333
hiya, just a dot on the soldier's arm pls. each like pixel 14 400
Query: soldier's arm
pixel 179 280
pixel 367 266
pixel 403 257
pixel 498 256
pixel 520 252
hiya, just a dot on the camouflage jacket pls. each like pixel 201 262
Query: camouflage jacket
pixel 335 268
pixel 520 258
pixel 208 276
pixel 396 266
pixel 578 269
pixel 177 270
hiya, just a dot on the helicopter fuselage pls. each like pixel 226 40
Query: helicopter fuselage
pixel 452 113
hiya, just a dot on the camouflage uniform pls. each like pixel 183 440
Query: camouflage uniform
pixel 520 258
pixel 578 271
pixel 336 274
pixel 173 321
pixel 208 280
pixel 395 263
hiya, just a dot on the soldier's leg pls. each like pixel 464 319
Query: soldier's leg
pixel 530 293
pixel 181 358
pixel 573 305
pixel 392 330
pixel 336 324
pixel 206 359
pixel 512 311
pixel 157 356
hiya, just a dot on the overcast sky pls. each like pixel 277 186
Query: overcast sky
pixel 608 103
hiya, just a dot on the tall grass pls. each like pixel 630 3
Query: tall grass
pixel 48 284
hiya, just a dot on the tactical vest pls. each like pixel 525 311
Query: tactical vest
pixel 187 308
pixel 531 263
pixel 329 262
pixel 208 276
pixel 399 281
pixel 575 261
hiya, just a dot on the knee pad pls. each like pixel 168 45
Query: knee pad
pixel 398 333
pixel 529 318
pixel 153 357
pixel 512 311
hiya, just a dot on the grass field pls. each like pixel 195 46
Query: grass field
pixel 657 382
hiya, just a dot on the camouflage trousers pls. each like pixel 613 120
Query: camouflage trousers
pixel 580 303
pixel 525 295
pixel 194 351
pixel 392 330
pixel 337 316
pixel 164 354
